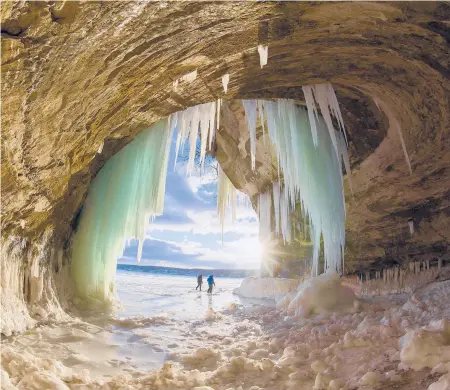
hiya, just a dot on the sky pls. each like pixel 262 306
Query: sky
pixel 188 234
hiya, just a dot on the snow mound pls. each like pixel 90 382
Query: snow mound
pixel 211 315
pixel 322 294
pixel 442 384
pixel 426 347
pixel 265 288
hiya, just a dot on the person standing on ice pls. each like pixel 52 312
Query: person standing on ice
pixel 211 283
pixel 199 282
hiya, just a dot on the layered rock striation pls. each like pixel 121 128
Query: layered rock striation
pixel 81 79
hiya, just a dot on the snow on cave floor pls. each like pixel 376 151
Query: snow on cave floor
pixel 247 344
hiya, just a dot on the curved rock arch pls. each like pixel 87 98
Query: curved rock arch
pixel 80 77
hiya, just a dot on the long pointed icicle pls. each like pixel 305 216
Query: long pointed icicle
pixel 250 114
pixel 226 197
pixel 225 80
pixel 329 106
pixel 265 211
pixel 312 110
pixel 321 96
pixel 263 55
pixel 395 125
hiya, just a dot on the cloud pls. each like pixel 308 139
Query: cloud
pixel 185 254
pixel 189 234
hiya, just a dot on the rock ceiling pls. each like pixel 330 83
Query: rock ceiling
pixel 79 75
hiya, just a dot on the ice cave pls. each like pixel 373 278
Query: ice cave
pixel 328 127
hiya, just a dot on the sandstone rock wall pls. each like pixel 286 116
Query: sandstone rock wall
pixel 81 79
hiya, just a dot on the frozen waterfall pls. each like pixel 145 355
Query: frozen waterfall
pixel 309 152
pixel 125 194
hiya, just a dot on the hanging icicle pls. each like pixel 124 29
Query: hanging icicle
pixel 263 55
pixel 395 126
pixel 187 78
pixel 411 226
pixel 326 98
pixel 250 114
pixel 265 212
pixel 225 80
pixel 226 197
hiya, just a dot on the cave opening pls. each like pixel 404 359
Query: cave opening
pixel 80 80
pixel 306 149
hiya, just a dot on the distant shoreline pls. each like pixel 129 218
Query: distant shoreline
pixel 154 269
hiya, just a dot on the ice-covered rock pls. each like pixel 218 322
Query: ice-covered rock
pixel 425 348
pixel 442 384
pixel 370 379
pixel 323 294
pixel 265 288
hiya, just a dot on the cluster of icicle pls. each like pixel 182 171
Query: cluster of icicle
pixel 204 120
pixel 204 117
pixel 125 194
pixel 396 280
pixel 309 152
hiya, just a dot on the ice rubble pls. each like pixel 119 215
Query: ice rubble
pixel 322 294
pixel 309 152
pixel 369 348
pixel 125 194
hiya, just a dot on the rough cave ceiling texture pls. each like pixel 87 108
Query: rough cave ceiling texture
pixel 79 75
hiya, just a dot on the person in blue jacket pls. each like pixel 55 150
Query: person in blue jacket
pixel 211 283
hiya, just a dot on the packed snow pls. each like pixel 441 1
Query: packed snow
pixel 383 343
